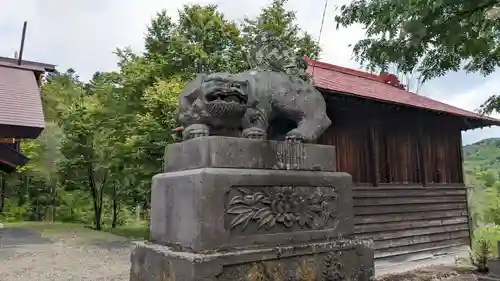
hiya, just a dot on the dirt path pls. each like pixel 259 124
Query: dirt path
pixel 62 255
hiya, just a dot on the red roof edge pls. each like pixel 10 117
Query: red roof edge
pixel 382 79
pixel 332 67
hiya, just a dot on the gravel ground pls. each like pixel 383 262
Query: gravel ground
pixel 83 255
pixel 433 273
pixel 26 255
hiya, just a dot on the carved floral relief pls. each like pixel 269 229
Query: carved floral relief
pixel 306 207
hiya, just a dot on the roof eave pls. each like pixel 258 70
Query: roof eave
pixel 20 132
pixel 29 64
pixel 482 121
pixel 11 159
pixel 479 123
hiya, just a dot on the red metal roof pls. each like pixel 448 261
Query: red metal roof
pixel 366 85
pixel 20 102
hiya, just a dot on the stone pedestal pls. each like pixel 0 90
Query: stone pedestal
pixel 240 209
pixel 494 268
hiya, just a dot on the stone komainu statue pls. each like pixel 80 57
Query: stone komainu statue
pixel 244 104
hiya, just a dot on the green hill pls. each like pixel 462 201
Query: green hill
pixel 483 155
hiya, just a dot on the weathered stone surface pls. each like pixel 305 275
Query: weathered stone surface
pixel 215 208
pixel 323 261
pixel 224 104
pixel 487 278
pixel 494 269
pixel 225 152
pixel 240 209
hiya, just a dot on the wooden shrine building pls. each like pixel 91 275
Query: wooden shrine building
pixel 404 152
pixel 21 112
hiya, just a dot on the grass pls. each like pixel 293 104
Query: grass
pixel 58 229
pixel 131 231
pixel 46 227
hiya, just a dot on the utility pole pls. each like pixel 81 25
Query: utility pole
pixel 21 50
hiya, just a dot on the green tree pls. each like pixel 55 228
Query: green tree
pixel 202 40
pixel 145 104
pixel 43 168
pixel 86 150
pixel 105 139
pixel 428 37
pixel 278 26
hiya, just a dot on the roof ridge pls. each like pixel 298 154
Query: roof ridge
pixel 27 63
pixel 22 66
pixel 405 97
pixel 346 70
pixel 387 78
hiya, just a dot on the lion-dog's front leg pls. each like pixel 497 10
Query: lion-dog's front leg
pixel 308 109
pixel 192 111
pixel 255 123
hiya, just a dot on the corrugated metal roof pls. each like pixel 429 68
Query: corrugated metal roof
pixel 20 102
pixel 33 65
pixel 366 85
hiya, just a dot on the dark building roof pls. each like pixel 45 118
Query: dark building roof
pixel 10 158
pixel 370 86
pixel 26 64
pixel 21 112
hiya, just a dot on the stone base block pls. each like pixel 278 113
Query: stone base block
pixel 215 208
pixel 494 267
pixel 325 261
pixel 239 153
pixel 487 278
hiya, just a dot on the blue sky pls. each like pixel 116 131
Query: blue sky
pixel 82 34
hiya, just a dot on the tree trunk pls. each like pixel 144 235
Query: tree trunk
pixel 145 207
pixel 138 212
pixel 97 195
pixel 22 192
pixel 53 203
pixel 115 208
pixel 37 209
pixel 3 186
pixel 101 191
pixel 95 199
pixel 115 214
pixel 97 209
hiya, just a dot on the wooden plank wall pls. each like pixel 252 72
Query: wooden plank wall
pixel 411 222
pixel 407 168
pixel 394 146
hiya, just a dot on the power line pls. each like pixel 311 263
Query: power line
pixel 321 30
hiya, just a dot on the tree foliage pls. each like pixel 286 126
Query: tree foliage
pixel 105 138
pixel 481 163
pixel 431 37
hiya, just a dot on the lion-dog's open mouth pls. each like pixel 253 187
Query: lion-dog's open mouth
pixel 228 92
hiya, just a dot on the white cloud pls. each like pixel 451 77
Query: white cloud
pixel 83 34
pixel 471 99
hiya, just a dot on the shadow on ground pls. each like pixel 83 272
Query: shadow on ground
pixel 11 237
